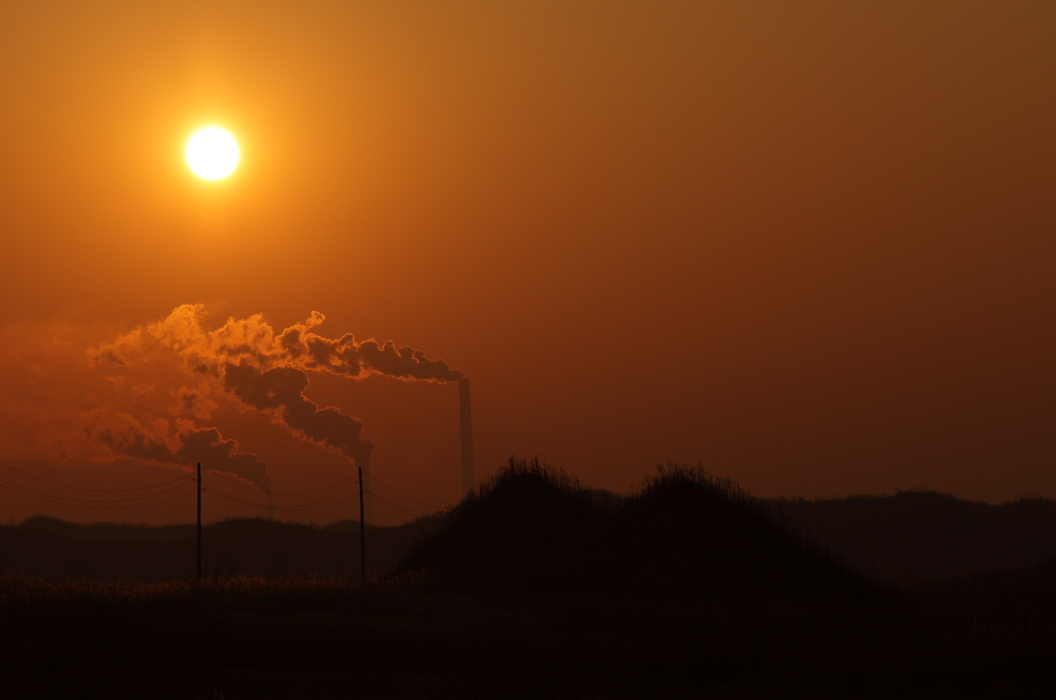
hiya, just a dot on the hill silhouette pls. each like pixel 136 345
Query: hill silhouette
pixel 925 535
pixel 535 529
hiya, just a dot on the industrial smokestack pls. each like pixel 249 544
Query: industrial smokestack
pixel 465 424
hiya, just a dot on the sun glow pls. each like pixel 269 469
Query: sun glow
pixel 212 153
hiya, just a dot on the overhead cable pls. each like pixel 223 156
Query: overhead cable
pixel 277 508
pixel 427 505
pixel 76 505
pixel 81 488
pixel 281 493
pixel 97 500
pixel 398 507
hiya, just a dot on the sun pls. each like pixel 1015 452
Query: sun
pixel 212 153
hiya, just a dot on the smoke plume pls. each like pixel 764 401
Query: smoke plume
pixel 162 393
pixel 126 436
pixel 254 342
pixel 266 371
pixel 345 356
pixel 280 391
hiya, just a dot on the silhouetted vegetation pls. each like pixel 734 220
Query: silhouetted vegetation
pixel 538 587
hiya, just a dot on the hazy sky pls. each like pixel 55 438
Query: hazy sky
pixel 809 244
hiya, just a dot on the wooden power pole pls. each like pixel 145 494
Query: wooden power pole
pixel 198 573
pixel 362 531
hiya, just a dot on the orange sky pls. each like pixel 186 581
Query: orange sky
pixel 809 244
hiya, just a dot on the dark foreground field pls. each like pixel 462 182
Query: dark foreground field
pixel 685 590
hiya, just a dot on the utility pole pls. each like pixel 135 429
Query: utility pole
pixel 362 531
pixel 198 575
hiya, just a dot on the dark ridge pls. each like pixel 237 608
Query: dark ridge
pixel 104 530
pixel 536 529
pixel 921 536
pixel 55 550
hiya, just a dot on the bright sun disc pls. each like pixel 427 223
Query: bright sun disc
pixel 212 153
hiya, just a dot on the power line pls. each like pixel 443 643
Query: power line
pixel 333 492
pixel 93 500
pixel 427 505
pixel 187 478
pixel 281 493
pixel 81 488
pixel 221 494
pixel 75 505
pixel 311 505
pixel 303 506
pixel 318 500
pixel 329 488
pixel 399 508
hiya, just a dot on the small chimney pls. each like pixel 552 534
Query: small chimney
pixel 465 424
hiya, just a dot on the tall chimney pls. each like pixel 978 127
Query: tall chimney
pixel 465 424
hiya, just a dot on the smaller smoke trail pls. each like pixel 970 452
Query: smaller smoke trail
pixel 194 445
pixel 345 356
